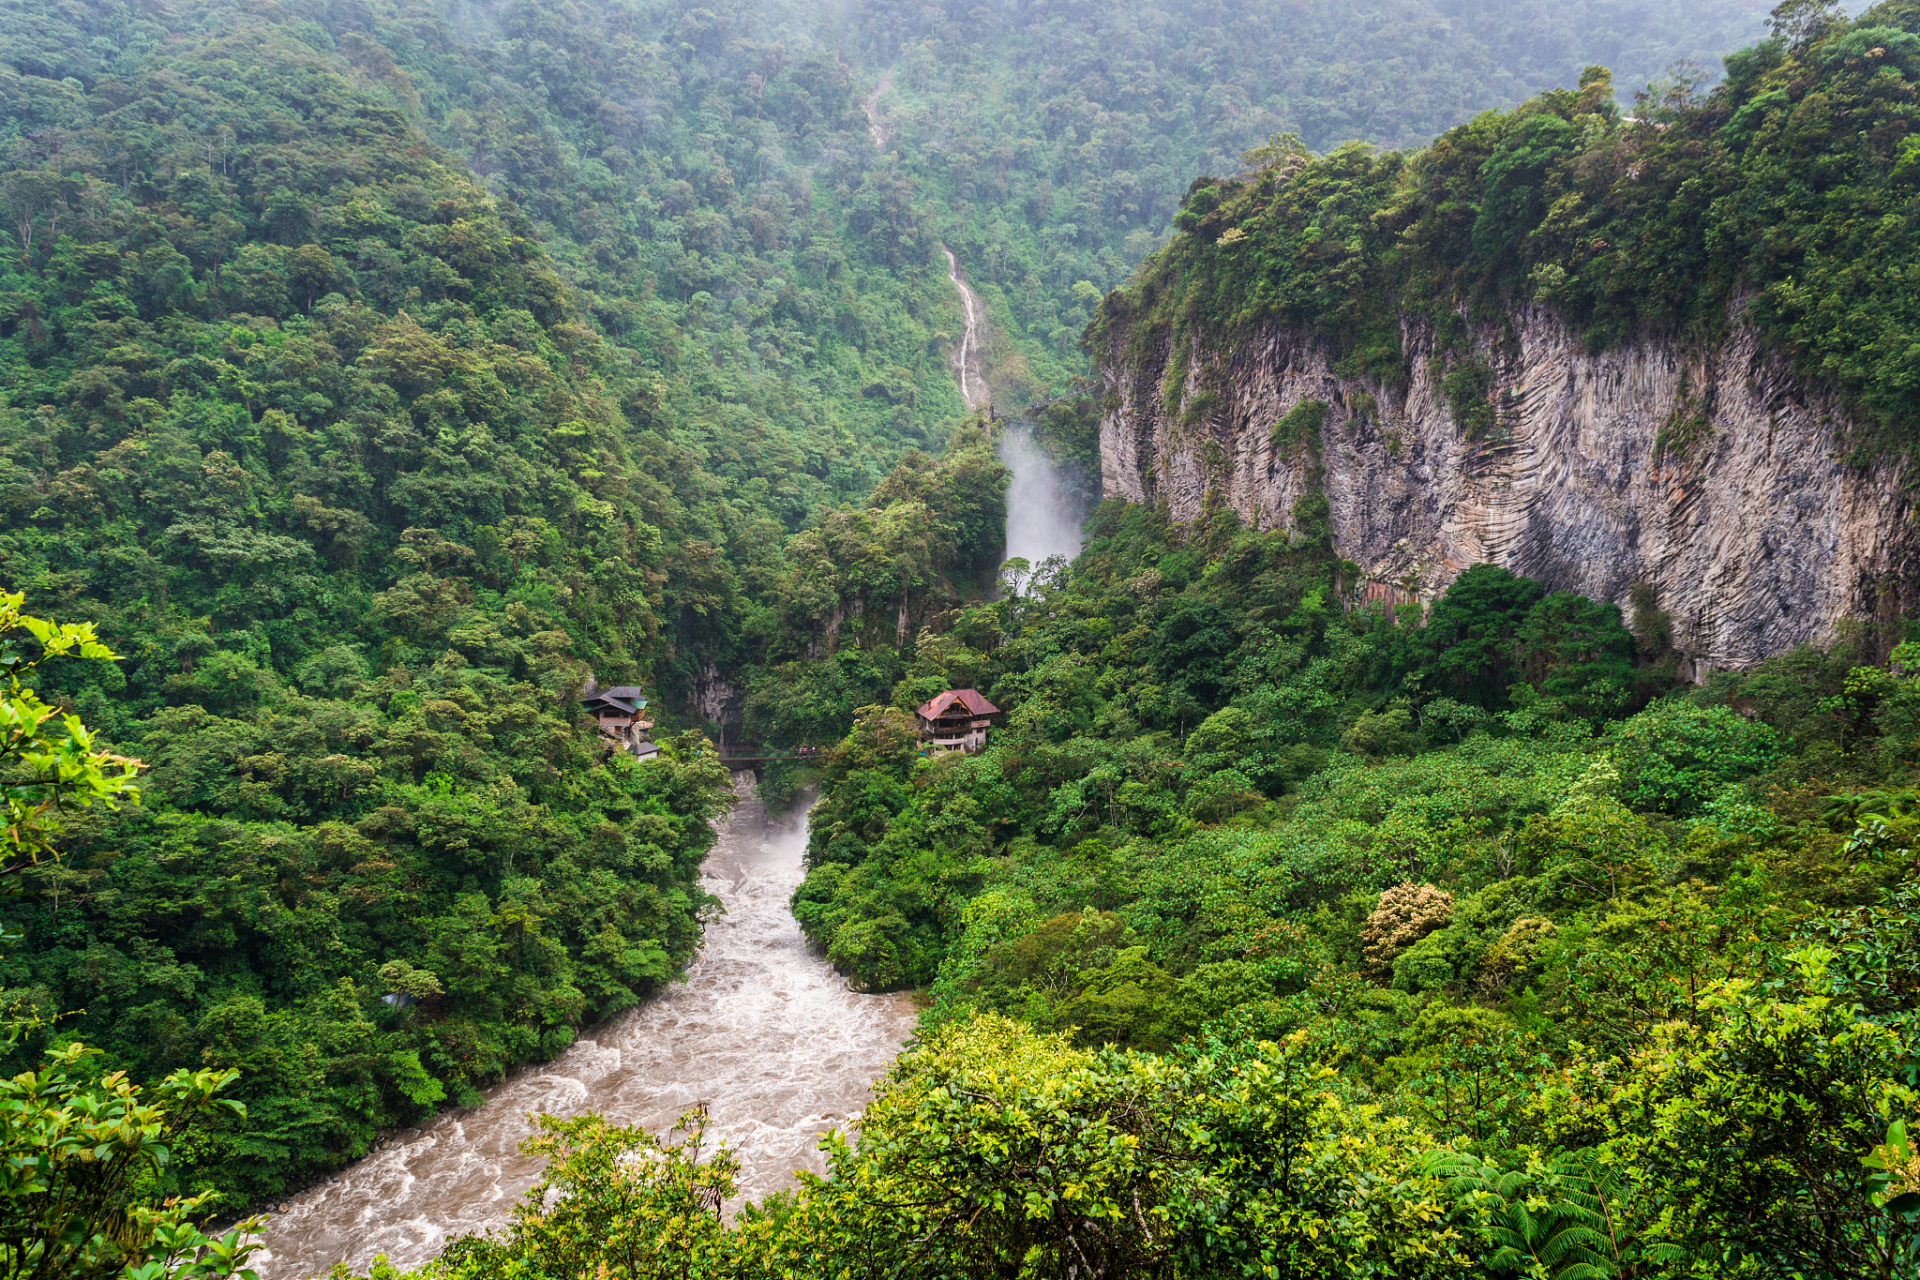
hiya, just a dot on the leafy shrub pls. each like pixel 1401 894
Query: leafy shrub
pixel 1514 951
pixel 1468 387
pixel 1298 431
pixel 1590 848
pixel 1456 951
pixel 1388 732
pixel 1676 756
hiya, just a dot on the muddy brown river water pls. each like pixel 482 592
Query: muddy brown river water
pixel 762 1030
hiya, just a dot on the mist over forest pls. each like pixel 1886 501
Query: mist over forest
pixel 382 382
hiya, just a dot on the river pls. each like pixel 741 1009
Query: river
pixel 762 1030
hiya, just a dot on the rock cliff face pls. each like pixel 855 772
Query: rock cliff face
pixel 1710 475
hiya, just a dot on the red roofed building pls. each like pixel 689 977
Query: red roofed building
pixel 956 720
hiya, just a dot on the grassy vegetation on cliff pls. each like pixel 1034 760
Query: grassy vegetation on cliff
pixel 1784 198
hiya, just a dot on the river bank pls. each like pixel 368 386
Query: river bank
pixel 762 1030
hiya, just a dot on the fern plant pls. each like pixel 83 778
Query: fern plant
pixel 1572 1218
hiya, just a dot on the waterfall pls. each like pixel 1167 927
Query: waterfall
pixel 1044 515
pixel 969 362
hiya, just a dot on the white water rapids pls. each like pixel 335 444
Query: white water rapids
pixel 762 1030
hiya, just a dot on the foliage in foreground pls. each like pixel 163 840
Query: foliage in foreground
pixel 79 1149
pixel 994 1150
pixel 1573 927
pixel 1272 940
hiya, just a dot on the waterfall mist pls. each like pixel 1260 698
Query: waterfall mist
pixel 1044 513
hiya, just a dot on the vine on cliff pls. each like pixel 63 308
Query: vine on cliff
pixel 1299 429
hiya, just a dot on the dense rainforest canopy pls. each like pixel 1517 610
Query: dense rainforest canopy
pixel 366 469
pixel 1268 937
pixel 1781 199
pixel 373 376
pixel 1058 139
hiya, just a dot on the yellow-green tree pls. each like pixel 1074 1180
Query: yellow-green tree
pixel 50 762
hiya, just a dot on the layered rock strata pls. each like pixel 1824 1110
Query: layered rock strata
pixel 1709 474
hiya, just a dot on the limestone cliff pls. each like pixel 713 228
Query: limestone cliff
pixel 1708 474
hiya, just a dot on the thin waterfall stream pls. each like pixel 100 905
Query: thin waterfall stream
pixel 968 365
pixel 763 1031
pixel 969 354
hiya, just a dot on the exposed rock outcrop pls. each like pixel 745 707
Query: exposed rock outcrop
pixel 1708 473
pixel 713 695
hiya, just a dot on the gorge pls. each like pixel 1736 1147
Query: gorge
pixel 1433 518
pixel 762 1032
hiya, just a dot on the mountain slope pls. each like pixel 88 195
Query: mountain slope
pixel 364 482
pixel 375 376
pixel 1057 141
pixel 1668 354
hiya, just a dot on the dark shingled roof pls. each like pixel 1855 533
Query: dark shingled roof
pixel 968 698
pixel 627 697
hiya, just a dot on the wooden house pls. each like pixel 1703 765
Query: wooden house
pixel 621 714
pixel 956 720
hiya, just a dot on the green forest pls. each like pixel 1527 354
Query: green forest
pixel 1057 141
pixel 1782 199
pixel 376 377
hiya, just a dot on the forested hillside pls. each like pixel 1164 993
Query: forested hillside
pixel 1059 140
pixel 1276 933
pixel 373 376
pixel 365 468
pixel 1782 199
pixel 1274 938
pixel 1438 939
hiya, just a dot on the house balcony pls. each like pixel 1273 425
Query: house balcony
pixel 975 740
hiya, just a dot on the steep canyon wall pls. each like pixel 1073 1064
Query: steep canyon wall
pixel 1707 473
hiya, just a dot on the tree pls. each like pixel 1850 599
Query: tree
pixel 1405 914
pixel 1676 755
pixel 1802 22
pixel 32 195
pixel 613 1200
pixel 75 1154
pixel 1472 631
pixel 1789 1090
pixel 1577 651
pixel 49 761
